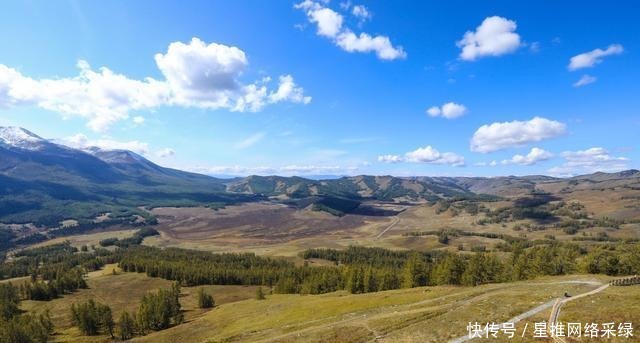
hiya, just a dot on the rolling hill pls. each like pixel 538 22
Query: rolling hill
pixel 44 182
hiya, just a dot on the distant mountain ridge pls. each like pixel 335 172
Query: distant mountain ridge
pixel 47 181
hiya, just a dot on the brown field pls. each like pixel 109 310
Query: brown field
pixel 264 228
pixel 278 230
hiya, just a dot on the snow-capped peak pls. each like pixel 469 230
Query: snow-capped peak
pixel 20 138
pixel 115 155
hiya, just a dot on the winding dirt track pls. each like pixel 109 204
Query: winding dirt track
pixel 555 312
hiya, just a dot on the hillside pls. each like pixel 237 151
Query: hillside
pixel 44 183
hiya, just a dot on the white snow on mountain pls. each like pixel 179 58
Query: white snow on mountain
pixel 20 138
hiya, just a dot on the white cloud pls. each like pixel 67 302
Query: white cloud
pixel 166 152
pixel 289 91
pixel 138 120
pixel 330 24
pixel 428 155
pixel 361 12
pixel 534 47
pixel 593 57
pixel 450 110
pixel 202 74
pixel 494 37
pixel 485 164
pixel 534 156
pixel 250 141
pixel 381 45
pixel 80 141
pixel 207 76
pixel 101 97
pixel 585 80
pixel 589 161
pixel 390 159
pixel 196 75
pixel 498 136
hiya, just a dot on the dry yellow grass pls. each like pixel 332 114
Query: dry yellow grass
pixel 427 314
pixel 123 291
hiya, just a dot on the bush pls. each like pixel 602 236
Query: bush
pixel 205 300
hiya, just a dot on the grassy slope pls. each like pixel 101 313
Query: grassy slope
pixel 123 292
pixel 614 304
pixel 427 314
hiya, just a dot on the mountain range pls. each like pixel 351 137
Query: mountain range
pixel 45 182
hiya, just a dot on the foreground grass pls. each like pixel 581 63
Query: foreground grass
pixel 426 314
pixel 614 304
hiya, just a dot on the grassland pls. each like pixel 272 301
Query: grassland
pixel 122 291
pixel 426 314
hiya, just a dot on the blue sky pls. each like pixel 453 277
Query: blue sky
pixel 318 88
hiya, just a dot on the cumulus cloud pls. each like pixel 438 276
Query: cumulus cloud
pixel 289 91
pixel 328 21
pixel 81 141
pixel 101 97
pixel 496 36
pixel 196 74
pixel 207 76
pixel 428 155
pixel 593 57
pixel 166 152
pixel 364 42
pixel 589 161
pixel 585 80
pixel 361 12
pixel 534 156
pixel 498 136
pixel 329 24
pixel 449 110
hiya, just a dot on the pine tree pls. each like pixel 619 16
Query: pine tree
pixel 106 319
pixel 126 326
pixel 92 318
pixel 415 271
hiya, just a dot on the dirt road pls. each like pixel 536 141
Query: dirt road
pixel 555 304
pixel 395 221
